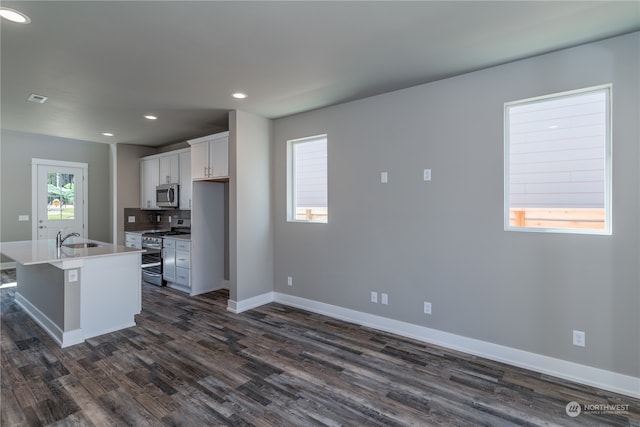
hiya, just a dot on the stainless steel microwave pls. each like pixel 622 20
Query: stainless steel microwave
pixel 167 196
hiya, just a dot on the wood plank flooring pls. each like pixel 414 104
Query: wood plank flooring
pixel 190 362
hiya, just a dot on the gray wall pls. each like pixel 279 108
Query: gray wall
pixel 128 166
pixel 250 195
pixel 16 151
pixel 443 241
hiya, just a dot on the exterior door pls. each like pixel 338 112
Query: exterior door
pixel 59 198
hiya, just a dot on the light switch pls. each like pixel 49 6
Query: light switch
pixel 427 175
pixel 23 217
pixel 132 218
pixel 384 177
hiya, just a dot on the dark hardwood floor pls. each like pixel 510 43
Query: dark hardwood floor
pixel 190 362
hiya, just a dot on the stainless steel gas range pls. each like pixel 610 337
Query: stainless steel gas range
pixel 151 242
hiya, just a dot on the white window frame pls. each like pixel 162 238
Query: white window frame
pixel 291 184
pixel 607 230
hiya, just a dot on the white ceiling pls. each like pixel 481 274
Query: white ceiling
pixel 104 64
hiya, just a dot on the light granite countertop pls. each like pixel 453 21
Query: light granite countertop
pixel 178 236
pixel 28 252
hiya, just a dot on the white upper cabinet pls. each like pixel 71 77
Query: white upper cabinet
pixel 173 167
pixel 169 169
pixel 149 179
pixel 199 160
pixel 210 157
pixel 185 179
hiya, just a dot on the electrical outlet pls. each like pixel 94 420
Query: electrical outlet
pixel 374 297
pixel 579 338
pixel 384 299
pixel 427 307
pixel 384 177
pixel 73 275
pixel 131 218
pixel 290 281
pixel 427 175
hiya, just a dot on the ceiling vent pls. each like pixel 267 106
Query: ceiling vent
pixel 37 98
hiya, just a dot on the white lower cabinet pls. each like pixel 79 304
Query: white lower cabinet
pixel 176 263
pixel 133 239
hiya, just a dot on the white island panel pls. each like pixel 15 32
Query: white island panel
pixel 111 294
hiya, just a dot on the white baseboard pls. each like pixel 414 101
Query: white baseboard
pixel 249 303
pixel 63 338
pixel 73 337
pixel 618 383
pixel 92 334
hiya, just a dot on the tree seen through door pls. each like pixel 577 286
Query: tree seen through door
pixel 61 196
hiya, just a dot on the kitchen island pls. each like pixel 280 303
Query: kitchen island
pixel 81 290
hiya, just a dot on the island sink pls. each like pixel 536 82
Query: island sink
pixel 81 245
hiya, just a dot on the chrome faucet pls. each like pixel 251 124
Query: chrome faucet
pixel 60 240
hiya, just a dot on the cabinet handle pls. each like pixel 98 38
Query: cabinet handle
pixel 205 171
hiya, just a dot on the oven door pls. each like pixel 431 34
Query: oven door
pixel 152 275
pixel 152 263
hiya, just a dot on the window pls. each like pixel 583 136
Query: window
pixel 558 163
pixel 307 179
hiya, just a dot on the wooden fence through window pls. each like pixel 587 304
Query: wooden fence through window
pixel 592 218
pixel 312 214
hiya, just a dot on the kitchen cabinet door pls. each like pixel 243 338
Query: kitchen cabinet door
pixel 133 240
pixel 183 277
pixel 186 183
pixel 219 158
pixel 170 169
pixel 169 264
pixel 210 157
pixel 200 160
pixel 149 180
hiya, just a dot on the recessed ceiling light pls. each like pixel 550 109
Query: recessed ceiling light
pixel 14 16
pixel 107 133
pixel 239 95
pixel 150 117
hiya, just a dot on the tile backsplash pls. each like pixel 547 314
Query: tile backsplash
pixel 149 220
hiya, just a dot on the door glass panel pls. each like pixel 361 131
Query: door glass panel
pixel 61 196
